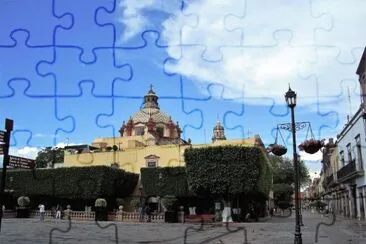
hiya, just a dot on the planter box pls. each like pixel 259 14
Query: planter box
pixel 101 214
pixel 171 217
pixel 23 212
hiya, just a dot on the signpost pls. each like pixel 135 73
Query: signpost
pixel 18 162
pixel 9 160
pixel 4 138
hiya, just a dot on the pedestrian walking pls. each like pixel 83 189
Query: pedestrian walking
pixel 148 213
pixel 68 212
pixel 41 212
pixel 58 211
pixel 271 212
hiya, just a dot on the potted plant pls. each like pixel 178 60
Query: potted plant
pixel 170 215
pixel 101 212
pixel 23 209
pixel 277 149
pixel 311 146
pixel 120 201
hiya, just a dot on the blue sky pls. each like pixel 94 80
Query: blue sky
pixel 72 71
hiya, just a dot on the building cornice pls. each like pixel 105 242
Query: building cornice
pixel 350 124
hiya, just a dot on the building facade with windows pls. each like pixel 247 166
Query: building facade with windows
pixel 351 179
pixel 344 164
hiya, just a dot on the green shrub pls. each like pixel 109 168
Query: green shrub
pixel 74 182
pixel 163 181
pixel 135 203
pixel 120 202
pixel 168 201
pixel 100 202
pixel 227 170
pixel 23 201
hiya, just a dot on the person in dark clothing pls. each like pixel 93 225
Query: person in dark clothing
pixel 148 213
pixel 271 212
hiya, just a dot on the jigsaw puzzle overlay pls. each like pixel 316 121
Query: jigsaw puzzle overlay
pixel 75 70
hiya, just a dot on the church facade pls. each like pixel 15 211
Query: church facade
pixel 149 138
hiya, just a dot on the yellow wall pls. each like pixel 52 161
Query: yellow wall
pixel 132 158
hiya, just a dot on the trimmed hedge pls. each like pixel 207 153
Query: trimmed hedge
pixel 227 170
pixel 74 182
pixel 173 181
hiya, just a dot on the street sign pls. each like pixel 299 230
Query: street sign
pixel 2 136
pixel 18 162
pixel 2 149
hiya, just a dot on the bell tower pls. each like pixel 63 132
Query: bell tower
pixel 218 132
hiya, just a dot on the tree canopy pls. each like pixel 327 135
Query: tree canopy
pixel 227 170
pixel 283 171
pixel 49 156
pixel 283 178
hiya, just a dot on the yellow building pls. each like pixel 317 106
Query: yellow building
pixel 150 138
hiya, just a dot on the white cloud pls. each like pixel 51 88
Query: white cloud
pixel 25 152
pixel 265 63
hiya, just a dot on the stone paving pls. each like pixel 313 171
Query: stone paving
pixel 275 230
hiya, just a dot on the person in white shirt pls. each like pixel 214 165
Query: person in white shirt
pixel 58 211
pixel 41 211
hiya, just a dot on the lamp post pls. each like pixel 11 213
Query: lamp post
pixel 291 103
pixel 300 198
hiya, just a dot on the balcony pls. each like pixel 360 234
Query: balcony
pixel 348 172
pixel 329 181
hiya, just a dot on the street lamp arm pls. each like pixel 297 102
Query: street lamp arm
pixel 298 126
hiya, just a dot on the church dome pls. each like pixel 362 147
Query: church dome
pixel 144 115
pixel 218 126
pixel 150 109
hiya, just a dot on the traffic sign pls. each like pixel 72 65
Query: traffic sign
pixel 18 162
pixel 2 136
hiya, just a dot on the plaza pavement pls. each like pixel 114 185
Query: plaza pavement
pixel 276 230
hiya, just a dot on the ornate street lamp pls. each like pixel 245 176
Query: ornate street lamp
pixel 291 103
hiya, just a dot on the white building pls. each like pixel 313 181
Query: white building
pixel 344 165
pixel 351 144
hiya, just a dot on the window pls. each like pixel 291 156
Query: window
pixel 359 154
pixel 349 152
pixel 160 131
pixel 151 164
pixel 139 131
pixel 341 154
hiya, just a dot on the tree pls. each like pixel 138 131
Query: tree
pixel 50 156
pixel 283 171
pixel 227 170
pixel 283 177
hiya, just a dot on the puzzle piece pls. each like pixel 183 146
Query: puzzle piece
pixel 103 72
pixel 26 56
pixel 135 23
pixel 340 36
pixel 91 107
pixel 210 31
pixel 216 230
pixel 208 118
pixel 141 62
pixel 339 87
pixel 39 21
pixel 261 19
pixel 18 107
pixel 85 32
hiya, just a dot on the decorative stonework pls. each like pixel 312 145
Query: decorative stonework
pixel 154 122
pixel 152 160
